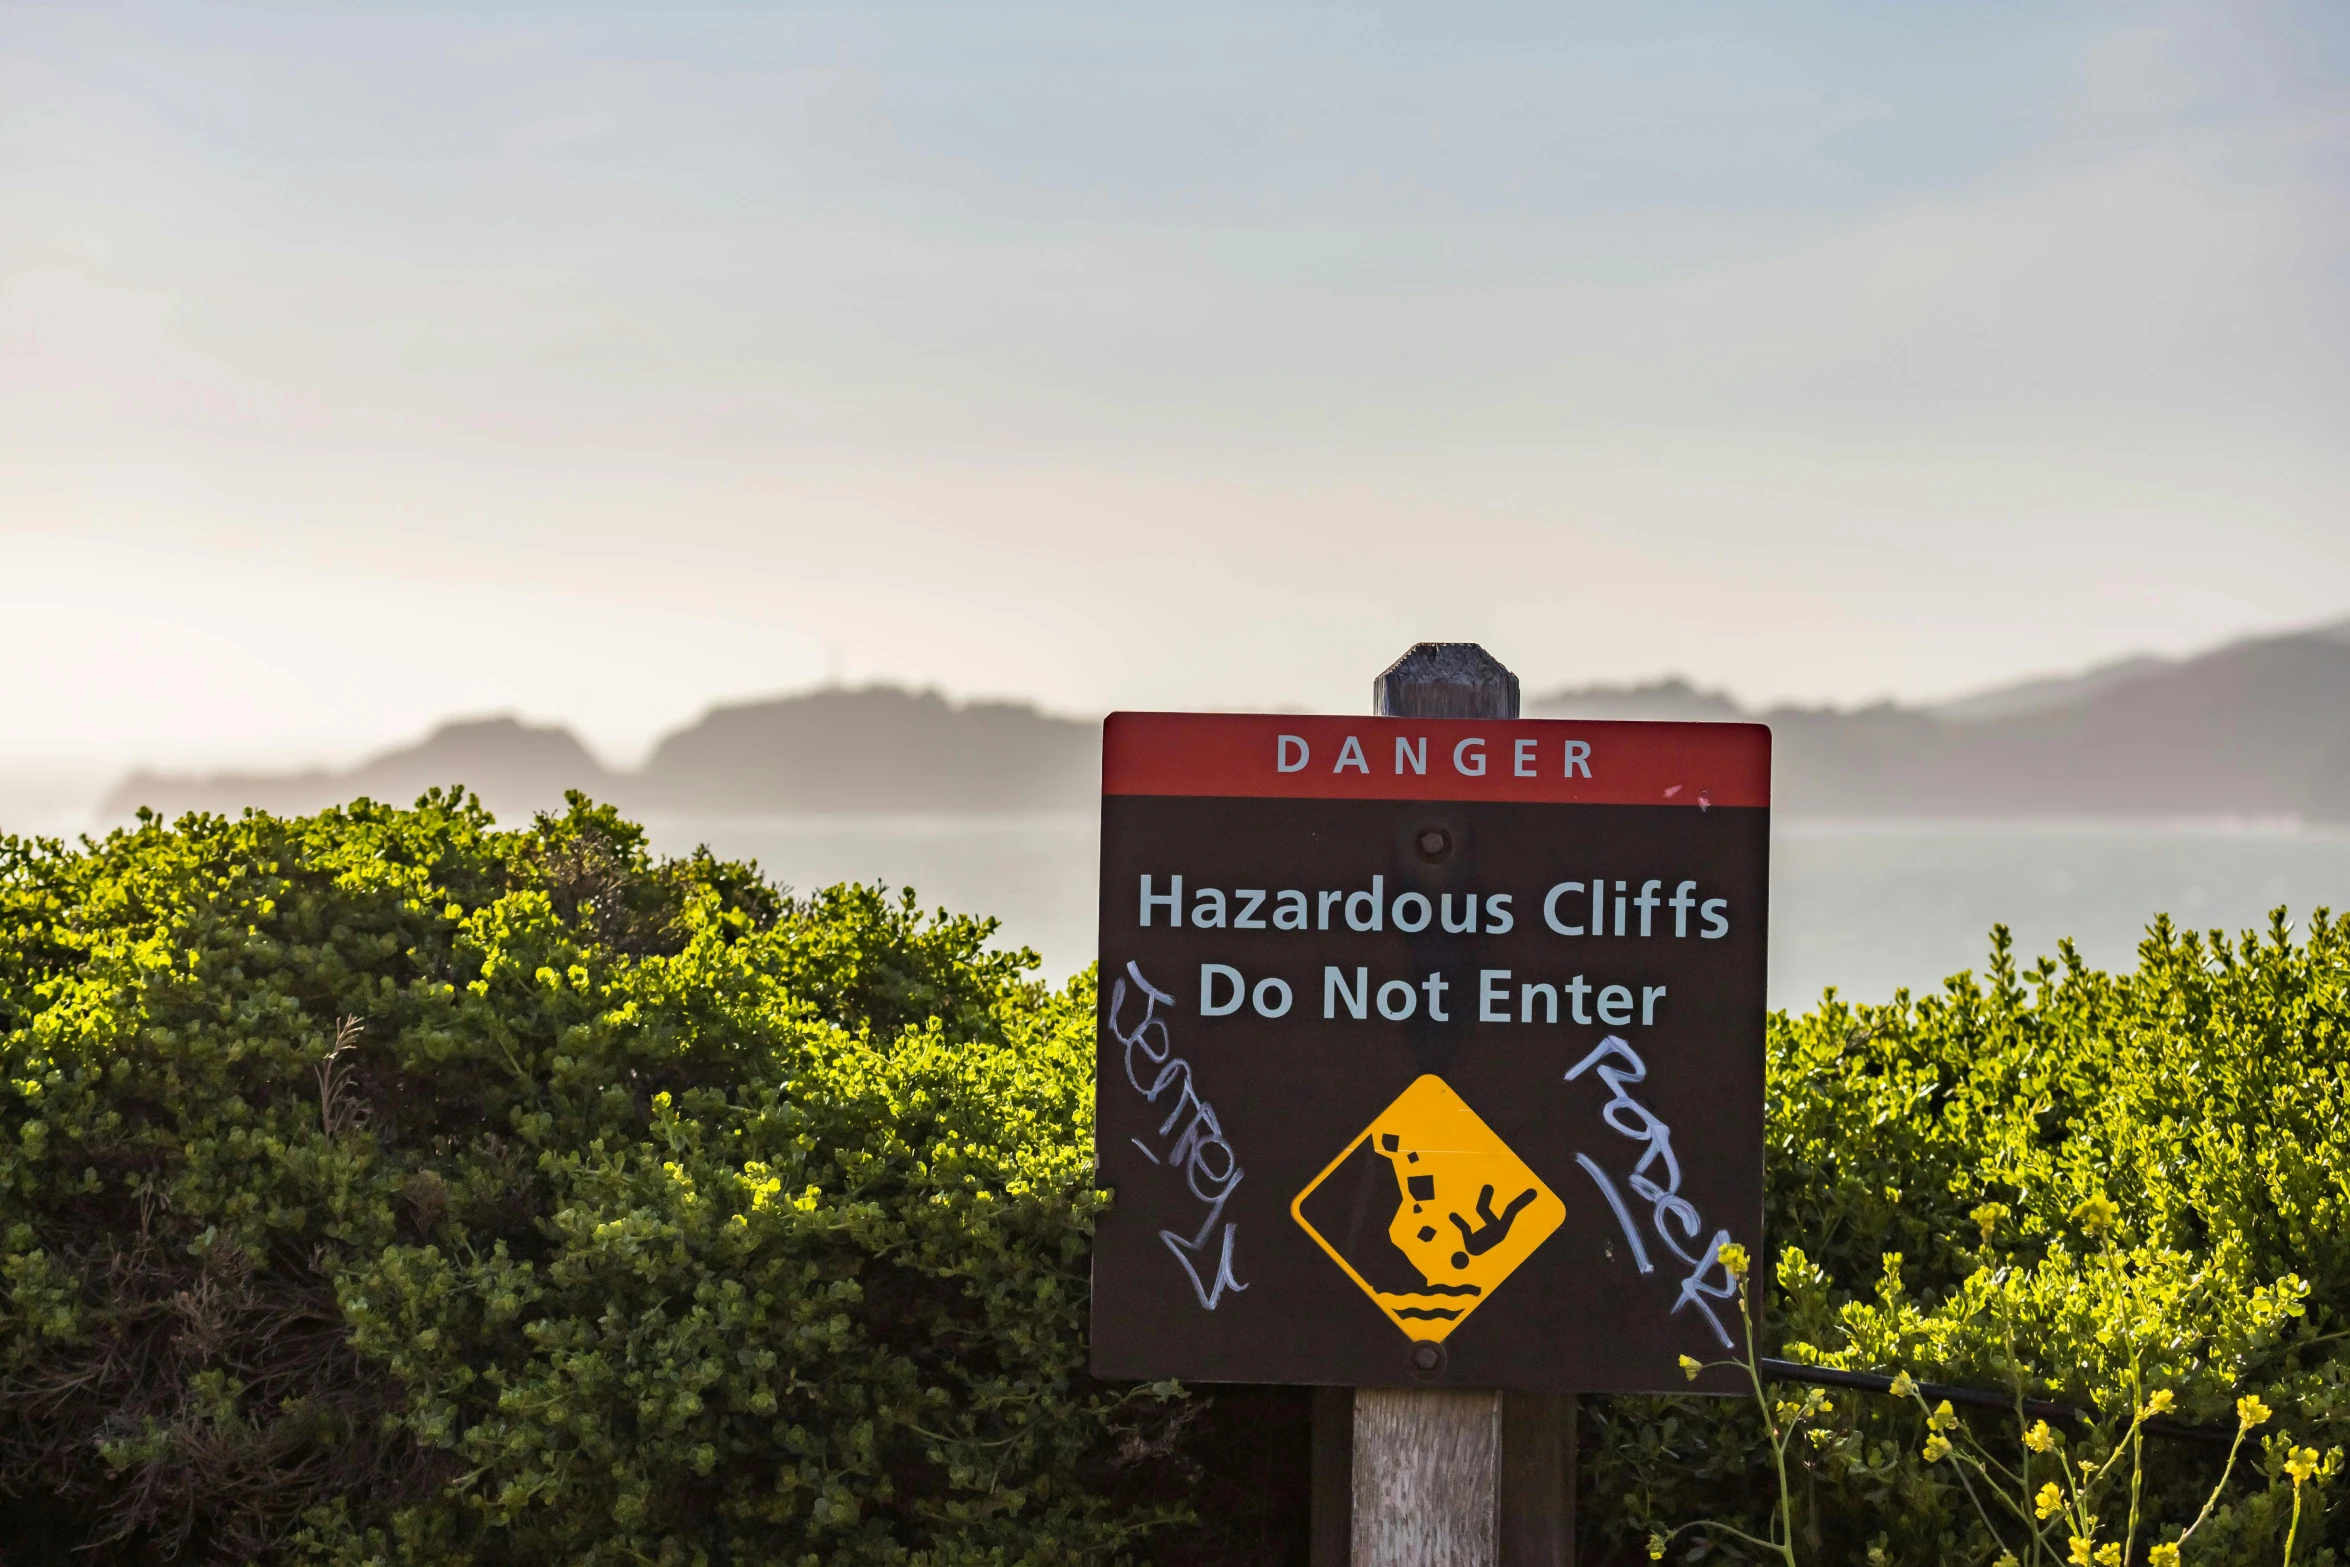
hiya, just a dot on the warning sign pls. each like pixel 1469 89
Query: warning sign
pixel 1456 1247
pixel 1430 1050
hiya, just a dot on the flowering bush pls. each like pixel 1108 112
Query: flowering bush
pixel 2126 1191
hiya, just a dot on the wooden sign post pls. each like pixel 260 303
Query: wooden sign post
pixel 1430 1074
pixel 1446 1479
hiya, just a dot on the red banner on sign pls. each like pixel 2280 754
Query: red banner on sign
pixel 1554 760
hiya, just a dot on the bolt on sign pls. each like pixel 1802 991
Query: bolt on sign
pixel 1431 1050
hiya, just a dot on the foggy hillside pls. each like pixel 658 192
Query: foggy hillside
pixel 2259 728
pixel 879 749
pixel 516 768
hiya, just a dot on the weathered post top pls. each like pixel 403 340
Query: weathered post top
pixel 1445 680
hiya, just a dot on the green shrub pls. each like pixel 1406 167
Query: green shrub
pixel 381 1187
pixel 2088 1186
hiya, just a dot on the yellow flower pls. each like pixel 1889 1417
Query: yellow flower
pixel 2109 1556
pixel 1734 1261
pixel 2040 1439
pixel 1937 1448
pixel 2163 1555
pixel 2160 1401
pixel 1690 1368
pixel 2250 1411
pixel 2096 1215
pixel 1987 1217
pixel 2049 1501
pixel 1656 1547
pixel 1944 1418
pixel 2081 1556
pixel 2007 1559
pixel 1903 1387
pixel 2301 1464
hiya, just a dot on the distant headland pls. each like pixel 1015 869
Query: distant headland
pixel 2256 729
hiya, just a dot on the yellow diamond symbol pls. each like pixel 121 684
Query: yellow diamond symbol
pixel 1467 1210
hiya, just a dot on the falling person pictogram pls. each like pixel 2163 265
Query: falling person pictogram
pixel 1493 1231
pixel 1449 1168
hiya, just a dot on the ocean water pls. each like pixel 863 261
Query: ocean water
pixel 1866 907
pixel 1873 907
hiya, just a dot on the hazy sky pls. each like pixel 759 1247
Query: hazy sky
pixel 361 364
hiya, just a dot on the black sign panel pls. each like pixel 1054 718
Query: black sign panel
pixel 1431 1050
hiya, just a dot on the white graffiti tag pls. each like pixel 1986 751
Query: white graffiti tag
pixel 1656 1179
pixel 1192 1141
